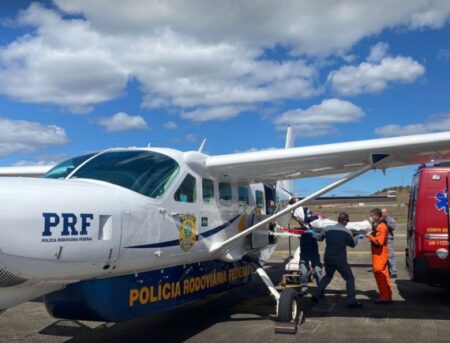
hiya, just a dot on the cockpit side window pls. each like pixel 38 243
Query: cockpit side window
pixel 146 172
pixel 187 191
pixel 63 169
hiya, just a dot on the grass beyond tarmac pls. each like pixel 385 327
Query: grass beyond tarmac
pixel 358 212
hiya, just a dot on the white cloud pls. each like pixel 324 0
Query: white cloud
pixel 378 52
pixel 25 136
pixel 319 27
pixel 191 138
pixel 43 160
pixel 72 71
pixel 171 125
pixel 123 122
pixel 214 113
pixel 349 58
pixel 443 54
pixel 74 64
pixel 435 123
pixel 197 57
pixel 237 151
pixel 376 74
pixel 319 120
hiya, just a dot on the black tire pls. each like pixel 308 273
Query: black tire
pixel 288 306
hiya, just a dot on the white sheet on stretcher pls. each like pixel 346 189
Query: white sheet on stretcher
pixel 294 263
pixel 355 227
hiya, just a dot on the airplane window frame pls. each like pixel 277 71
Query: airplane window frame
pixel 243 203
pixel 194 190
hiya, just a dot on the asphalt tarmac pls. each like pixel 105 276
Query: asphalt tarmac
pixel 419 313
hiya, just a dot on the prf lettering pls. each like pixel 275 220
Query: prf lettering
pixel 69 223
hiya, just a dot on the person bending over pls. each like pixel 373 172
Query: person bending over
pixel 338 238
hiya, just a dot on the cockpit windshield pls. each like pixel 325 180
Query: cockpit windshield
pixel 145 172
pixel 63 169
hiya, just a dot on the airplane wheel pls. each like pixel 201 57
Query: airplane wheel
pixel 288 306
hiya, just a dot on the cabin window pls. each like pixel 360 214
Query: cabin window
pixel 225 194
pixel 259 195
pixel 187 190
pixel 208 191
pixel 243 196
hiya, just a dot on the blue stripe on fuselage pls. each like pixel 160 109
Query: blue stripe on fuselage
pixel 177 241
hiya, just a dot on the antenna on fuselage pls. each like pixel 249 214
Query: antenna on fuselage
pixel 289 138
pixel 200 149
pixel 149 145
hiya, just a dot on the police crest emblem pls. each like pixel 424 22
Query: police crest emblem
pixel 188 232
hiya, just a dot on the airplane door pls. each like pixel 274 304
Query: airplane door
pixel 260 237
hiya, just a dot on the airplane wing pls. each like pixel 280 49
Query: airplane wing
pixel 296 163
pixel 352 199
pixel 27 171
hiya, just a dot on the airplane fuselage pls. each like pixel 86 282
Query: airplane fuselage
pixel 101 229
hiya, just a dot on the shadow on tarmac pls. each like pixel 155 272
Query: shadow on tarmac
pixel 420 302
pixel 171 326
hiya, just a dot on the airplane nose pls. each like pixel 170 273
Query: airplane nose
pixel 44 222
pixel 14 205
pixel 50 234
pixel 8 277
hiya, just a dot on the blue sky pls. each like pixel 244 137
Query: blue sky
pixel 78 76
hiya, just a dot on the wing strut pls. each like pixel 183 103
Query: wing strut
pixel 375 159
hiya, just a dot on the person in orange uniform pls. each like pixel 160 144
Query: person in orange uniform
pixel 380 255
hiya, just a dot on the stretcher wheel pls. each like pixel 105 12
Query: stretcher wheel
pixel 289 306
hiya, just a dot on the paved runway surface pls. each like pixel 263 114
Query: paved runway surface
pixel 420 313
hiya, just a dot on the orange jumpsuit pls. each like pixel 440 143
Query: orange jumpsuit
pixel 380 255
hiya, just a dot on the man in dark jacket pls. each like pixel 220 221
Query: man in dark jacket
pixel 338 238
pixel 309 248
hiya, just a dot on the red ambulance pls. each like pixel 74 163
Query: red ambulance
pixel 427 258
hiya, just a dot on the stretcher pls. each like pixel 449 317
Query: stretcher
pixel 292 274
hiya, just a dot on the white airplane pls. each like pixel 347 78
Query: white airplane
pixel 123 233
